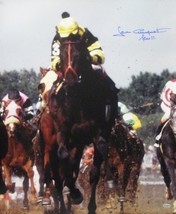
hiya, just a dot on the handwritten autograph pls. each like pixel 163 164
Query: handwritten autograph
pixel 144 35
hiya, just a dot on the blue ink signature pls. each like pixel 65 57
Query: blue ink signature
pixel 144 34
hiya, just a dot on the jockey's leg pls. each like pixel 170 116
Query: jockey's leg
pixel 159 133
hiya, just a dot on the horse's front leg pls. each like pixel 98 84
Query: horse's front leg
pixel 30 173
pixel 25 190
pixel 172 172
pixel 165 174
pixel 94 179
pixel 40 170
pixel 8 179
pixel 133 181
pixel 3 187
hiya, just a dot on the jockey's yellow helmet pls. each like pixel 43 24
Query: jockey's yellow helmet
pixel 67 26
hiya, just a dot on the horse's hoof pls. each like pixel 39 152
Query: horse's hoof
pixel 110 184
pixel 174 208
pixel 169 195
pixel 122 199
pixel 39 199
pixel 46 201
pixel 62 153
pixel 25 207
pixel 76 196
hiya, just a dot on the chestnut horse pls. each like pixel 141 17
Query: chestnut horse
pixel 166 154
pixel 46 135
pixel 81 110
pixel 19 159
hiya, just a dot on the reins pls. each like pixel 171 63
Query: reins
pixel 69 66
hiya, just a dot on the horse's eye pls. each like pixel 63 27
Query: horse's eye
pixel 41 88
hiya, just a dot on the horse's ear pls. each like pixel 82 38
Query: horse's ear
pixel 43 71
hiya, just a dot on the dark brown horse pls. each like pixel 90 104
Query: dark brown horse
pixel 19 159
pixel 125 156
pixel 166 154
pixel 82 110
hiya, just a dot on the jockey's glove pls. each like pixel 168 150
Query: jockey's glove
pixel 96 59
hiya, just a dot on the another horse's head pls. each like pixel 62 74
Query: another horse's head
pixel 75 60
pixel 48 78
pixel 13 116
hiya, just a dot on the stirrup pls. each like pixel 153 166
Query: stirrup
pixel 158 136
pixel 156 145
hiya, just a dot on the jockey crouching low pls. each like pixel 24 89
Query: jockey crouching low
pixel 131 120
pixel 69 28
pixel 168 97
pixel 20 99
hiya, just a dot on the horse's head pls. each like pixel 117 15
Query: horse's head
pixel 74 59
pixel 48 78
pixel 13 117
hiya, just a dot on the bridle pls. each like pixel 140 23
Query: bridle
pixel 69 64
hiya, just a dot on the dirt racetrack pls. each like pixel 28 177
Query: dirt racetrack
pixel 150 200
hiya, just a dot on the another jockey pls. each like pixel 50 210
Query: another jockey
pixel 130 119
pixel 168 97
pixel 21 99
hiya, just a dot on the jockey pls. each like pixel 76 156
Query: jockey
pixel 130 119
pixel 168 97
pixel 21 99
pixel 69 28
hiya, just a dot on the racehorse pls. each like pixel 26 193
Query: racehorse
pixel 3 152
pixel 166 154
pixel 125 157
pixel 82 110
pixel 19 159
pixel 46 134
